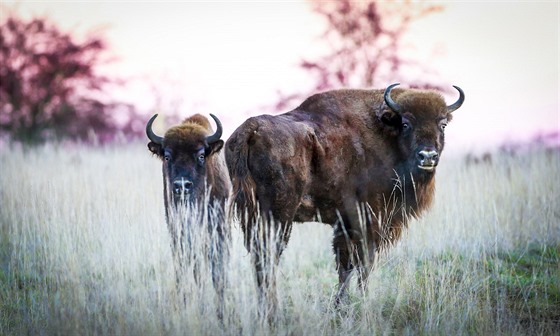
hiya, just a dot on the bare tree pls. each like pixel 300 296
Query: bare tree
pixel 365 45
pixel 49 87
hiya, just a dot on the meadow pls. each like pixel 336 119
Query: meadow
pixel 84 249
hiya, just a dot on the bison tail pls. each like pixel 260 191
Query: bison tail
pixel 244 203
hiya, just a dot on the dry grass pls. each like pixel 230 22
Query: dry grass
pixel 84 249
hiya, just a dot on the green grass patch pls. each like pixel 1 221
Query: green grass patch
pixel 530 280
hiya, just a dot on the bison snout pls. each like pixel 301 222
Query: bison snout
pixel 182 186
pixel 428 159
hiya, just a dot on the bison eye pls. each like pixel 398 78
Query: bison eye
pixel 201 158
pixel 405 126
pixel 442 126
pixel 167 157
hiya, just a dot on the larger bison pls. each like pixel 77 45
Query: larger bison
pixel 195 177
pixel 363 161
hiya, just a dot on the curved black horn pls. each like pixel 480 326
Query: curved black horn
pixel 459 101
pixel 151 135
pixel 216 136
pixel 389 101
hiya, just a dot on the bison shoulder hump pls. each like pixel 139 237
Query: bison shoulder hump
pixel 198 119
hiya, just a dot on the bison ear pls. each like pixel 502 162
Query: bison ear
pixel 391 119
pixel 156 149
pixel 214 147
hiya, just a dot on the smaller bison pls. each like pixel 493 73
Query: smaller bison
pixel 195 179
pixel 363 161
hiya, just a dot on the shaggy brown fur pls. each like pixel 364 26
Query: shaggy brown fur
pixel 183 144
pixel 344 158
pixel 188 155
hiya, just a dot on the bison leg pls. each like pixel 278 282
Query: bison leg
pixel 354 249
pixel 343 250
pixel 267 241
pixel 219 257
pixel 177 251
pixel 365 254
pixel 366 246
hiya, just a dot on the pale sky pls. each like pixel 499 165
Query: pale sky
pixel 230 58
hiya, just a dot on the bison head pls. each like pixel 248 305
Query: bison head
pixel 185 151
pixel 419 119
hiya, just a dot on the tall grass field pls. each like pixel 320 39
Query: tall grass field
pixel 85 250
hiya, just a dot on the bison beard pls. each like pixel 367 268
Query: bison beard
pixel 362 161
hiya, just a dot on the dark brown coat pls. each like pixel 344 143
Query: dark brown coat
pixel 194 172
pixel 353 159
pixel 190 161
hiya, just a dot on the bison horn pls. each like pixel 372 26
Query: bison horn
pixel 151 135
pixel 459 101
pixel 216 136
pixel 389 101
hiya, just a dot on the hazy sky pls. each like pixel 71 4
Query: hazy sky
pixel 230 58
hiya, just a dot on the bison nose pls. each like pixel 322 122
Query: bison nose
pixel 181 185
pixel 429 155
pixel 428 158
